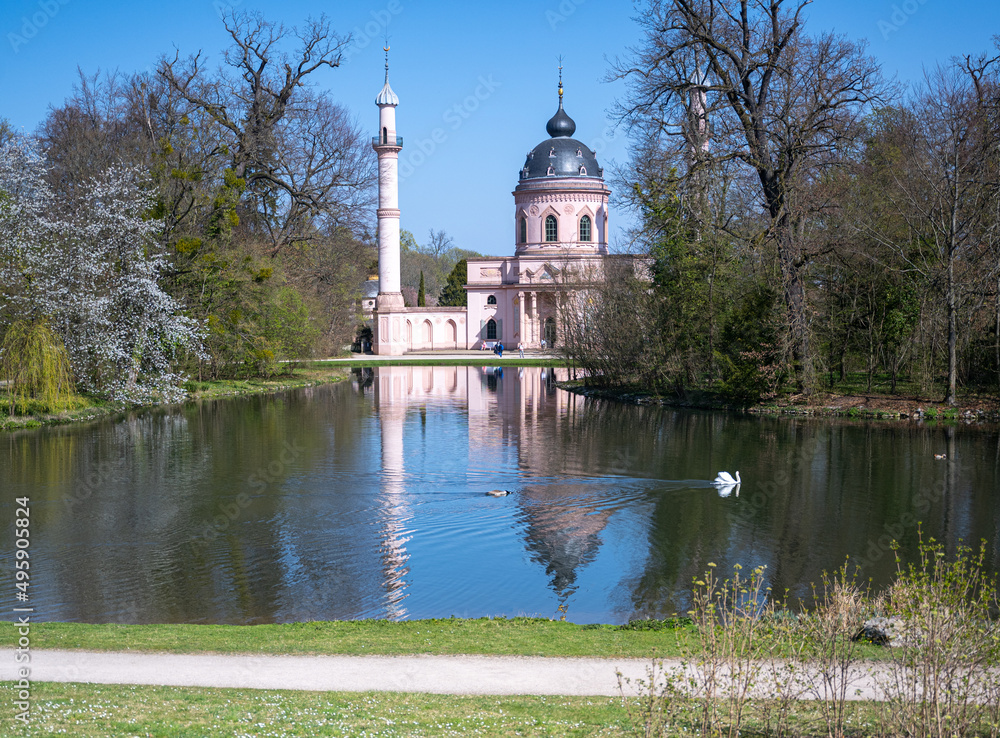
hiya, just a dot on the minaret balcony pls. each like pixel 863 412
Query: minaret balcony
pixel 395 142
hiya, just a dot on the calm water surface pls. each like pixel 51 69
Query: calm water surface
pixel 367 499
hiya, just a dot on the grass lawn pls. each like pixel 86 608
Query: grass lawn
pixel 305 376
pixel 483 636
pixel 126 710
pixel 486 636
pixel 92 710
pixel 86 710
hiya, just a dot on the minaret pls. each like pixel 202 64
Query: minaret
pixel 387 145
pixel 698 140
pixel 698 131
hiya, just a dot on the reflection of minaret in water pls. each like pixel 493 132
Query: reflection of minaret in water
pixel 393 507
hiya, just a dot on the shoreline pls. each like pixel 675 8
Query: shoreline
pixel 215 390
pixel 826 405
pixel 316 372
pixel 313 372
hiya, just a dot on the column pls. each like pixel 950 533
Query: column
pixel 533 319
pixel 520 319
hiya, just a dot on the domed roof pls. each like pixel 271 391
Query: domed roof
pixel 560 155
pixel 560 124
pixel 387 96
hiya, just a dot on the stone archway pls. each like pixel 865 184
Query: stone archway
pixel 427 339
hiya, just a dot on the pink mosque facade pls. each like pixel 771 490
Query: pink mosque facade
pixel 560 232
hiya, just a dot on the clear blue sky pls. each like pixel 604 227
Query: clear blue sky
pixel 495 61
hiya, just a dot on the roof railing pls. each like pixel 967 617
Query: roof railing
pixel 389 141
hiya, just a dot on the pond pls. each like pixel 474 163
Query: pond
pixel 367 499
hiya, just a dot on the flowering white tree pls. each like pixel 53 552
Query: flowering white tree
pixel 93 270
pixel 25 199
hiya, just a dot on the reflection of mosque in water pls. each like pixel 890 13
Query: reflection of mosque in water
pixel 517 409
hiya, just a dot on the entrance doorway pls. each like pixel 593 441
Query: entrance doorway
pixel 549 332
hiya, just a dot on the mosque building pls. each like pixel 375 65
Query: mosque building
pixel 560 232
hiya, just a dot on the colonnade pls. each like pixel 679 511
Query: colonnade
pixel 532 314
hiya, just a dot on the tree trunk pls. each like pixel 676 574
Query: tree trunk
pixel 950 398
pixel 795 303
pixel 996 335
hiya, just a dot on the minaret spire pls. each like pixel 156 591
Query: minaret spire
pixel 560 80
pixel 560 124
pixel 386 49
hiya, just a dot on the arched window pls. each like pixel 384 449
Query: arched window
pixel 585 228
pixel 385 135
pixel 491 300
pixel 491 330
pixel 522 230
pixel 551 229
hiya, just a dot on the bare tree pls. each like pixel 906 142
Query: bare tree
pixel 739 81
pixel 302 162
pixel 105 121
pixel 439 243
pixel 937 168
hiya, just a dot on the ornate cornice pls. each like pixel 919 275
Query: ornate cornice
pixel 523 198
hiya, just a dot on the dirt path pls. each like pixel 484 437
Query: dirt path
pixel 433 674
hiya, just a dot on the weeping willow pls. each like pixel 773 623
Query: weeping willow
pixel 35 366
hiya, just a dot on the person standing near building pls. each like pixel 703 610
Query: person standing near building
pixel 520 350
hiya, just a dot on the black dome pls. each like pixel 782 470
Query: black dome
pixel 560 124
pixel 561 157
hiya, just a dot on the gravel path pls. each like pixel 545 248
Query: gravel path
pixel 434 674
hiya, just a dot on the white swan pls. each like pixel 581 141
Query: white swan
pixel 727 489
pixel 499 492
pixel 726 478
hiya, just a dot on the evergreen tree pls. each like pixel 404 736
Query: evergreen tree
pixel 421 297
pixel 453 294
